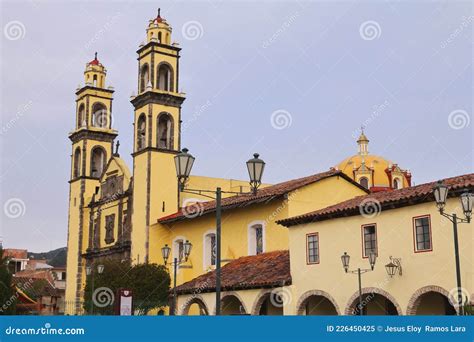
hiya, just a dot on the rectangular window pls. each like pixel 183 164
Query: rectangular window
pixel 422 233
pixel 213 249
pixel 259 239
pixel 369 235
pixel 312 248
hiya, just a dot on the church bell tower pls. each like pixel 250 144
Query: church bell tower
pixel 92 144
pixel 156 133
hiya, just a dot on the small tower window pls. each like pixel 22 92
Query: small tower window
pixel 99 116
pixel 159 37
pixel 94 82
pixel 141 132
pixel 77 163
pixel 165 77
pixel 396 184
pixel 144 77
pixel 364 182
pixel 80 116
pixel 97 162
pixel 165 131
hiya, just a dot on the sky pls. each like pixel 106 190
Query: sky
pixel 293 81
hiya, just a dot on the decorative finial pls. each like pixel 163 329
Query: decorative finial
pixel 95 56
pixel 117 148
pixel 159 10
pixel 362 129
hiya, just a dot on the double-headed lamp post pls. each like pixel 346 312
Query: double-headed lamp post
pixel 90 272
pixel 177 260
pixel 184 163
pixel 345 258
pixel 440 192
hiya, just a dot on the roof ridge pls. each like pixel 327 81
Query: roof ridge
pixel 419 192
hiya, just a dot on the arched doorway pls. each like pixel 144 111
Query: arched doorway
pixel 313 303
pixel 270 303
pixel 232 305
pixel 374 302
pixel 430 300
pixel 195 307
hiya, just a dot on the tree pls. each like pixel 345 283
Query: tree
pixel 150 284
pixel 7 294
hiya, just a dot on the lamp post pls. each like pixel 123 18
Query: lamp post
pixel 90 272
pixel 165 252
pixel 184 163
pixel 440 192
pixel 345 258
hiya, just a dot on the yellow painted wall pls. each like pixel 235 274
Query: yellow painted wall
pixel 395 238
pixel 236 223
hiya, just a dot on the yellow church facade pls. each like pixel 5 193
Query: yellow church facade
pixel 130 213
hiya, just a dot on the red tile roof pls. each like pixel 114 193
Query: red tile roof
pixel 268 270
pixel 263 195
pixel 16 253
pixel 383 200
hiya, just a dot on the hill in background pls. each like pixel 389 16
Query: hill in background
pixel 56 257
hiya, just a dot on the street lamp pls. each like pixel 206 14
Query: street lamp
pixel 345 258
pixel 184 162
pixel 90 272
pixel 393 266
pixel 165 253
pixel 255 167
pixel 440 192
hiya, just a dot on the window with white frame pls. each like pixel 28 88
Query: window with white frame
pixel 178 248
pixel 209 252
pixel 256 238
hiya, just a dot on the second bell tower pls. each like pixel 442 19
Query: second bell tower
pixel 157 136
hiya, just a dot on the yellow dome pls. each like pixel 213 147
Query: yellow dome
pixel 372 171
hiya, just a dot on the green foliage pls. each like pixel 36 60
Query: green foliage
pixel 7 294
pixel 149 283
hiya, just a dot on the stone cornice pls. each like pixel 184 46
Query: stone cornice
pixel 165 99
